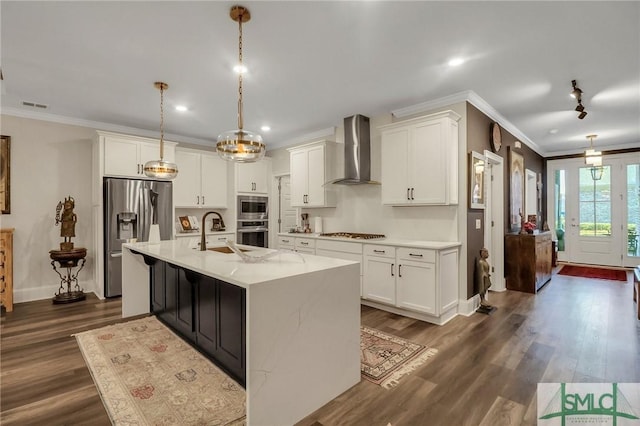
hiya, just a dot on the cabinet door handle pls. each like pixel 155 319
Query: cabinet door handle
pixel 399 271
pixel 392 270
pixel 203 200
pixel 285 241
pixel 415 255
pixel 198 199
pixel 222 238
pixel 412 193
pixel 304 243
pixel 379 251
pixel 408 189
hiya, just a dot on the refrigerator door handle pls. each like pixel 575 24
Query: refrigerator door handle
pixel 117 254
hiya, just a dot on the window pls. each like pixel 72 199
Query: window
pixel 595 203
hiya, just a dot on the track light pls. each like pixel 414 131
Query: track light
pixel 577 94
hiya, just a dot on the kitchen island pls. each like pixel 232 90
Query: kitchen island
pixel 300 315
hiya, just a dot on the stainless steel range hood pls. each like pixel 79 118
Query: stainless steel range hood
pixel 357 152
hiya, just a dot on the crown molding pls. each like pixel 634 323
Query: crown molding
pixel 475 100
pixel 98 125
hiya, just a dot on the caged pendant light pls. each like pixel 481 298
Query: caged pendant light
pixel 594 159
pixel 240 145
pixel 161 169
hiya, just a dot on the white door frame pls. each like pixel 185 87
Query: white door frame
pixel 494 218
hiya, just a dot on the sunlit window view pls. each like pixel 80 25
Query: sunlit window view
pixel 633 209
pixel 595 203
pixel 560 184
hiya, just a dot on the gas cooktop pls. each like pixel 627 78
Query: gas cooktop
pixel 354 235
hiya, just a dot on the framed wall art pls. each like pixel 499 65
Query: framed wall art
pixel 516 188
pixel 5 174
pixel 476 180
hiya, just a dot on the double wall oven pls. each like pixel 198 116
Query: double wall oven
pixel 253 220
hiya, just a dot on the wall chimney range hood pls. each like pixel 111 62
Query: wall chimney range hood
pixel 357 152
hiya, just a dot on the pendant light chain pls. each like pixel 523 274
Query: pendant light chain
pixel 240 121
pixel 161 121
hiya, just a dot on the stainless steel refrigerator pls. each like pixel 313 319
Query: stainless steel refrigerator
pixel 130 207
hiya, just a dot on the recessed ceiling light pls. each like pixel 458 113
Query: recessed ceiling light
pixel 265 128
pixel 455 62
pixel 553 131
pixel 181 108
pixel 240 69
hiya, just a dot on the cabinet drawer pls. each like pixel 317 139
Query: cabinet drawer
pixel 342 246
pixel 305 243
pixel 416 254
pixel 376 250
pixel 286 242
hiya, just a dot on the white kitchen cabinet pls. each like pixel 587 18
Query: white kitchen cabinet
pixel 379 279
pixel 342 250
pixel 252 177
pixel 125 155
pixel 420 161
pixel 311 166
pixel 213 239
pixel 416 281
pixel 299 244
pixel 201 181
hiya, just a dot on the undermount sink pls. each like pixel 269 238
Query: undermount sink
pixel 224 249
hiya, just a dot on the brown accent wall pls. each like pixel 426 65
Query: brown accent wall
pixel 478 139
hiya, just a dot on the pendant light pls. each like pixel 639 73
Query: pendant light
pixel 161 169
pixel 594 158
pixel 240 145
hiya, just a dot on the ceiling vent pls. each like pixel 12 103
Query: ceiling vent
pixel 34 105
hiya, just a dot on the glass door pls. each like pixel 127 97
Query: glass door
pixel 632 222
pixel 586 209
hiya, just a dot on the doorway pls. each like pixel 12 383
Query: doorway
pixel 596 216
pixel 494 218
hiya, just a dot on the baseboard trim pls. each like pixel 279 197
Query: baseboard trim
pixel 441 320
pixel 31 294
pixel 469 306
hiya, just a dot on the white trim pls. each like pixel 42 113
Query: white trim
pixel 21 295
pixel 438 320
pixel 475 100
pixel 468 307
pixel 98 125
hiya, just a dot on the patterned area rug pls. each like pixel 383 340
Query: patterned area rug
pixel 146 375
pixel 590 272
pixel 385 358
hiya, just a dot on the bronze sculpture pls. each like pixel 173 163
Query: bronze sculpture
pixel 483 281
pixel 68 221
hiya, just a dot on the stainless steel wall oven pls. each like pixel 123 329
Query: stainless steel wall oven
pixel 253 220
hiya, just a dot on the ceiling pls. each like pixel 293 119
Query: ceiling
pixel 312 63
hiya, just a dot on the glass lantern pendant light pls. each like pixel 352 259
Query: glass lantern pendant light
pixel 161 169
pixel 240 145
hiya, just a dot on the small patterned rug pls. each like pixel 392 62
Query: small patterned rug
pixel 385 358
pixel 146 375
pixel 591 272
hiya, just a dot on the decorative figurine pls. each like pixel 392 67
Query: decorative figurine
pixel 483 281
pixel 68 222
pixel 522 228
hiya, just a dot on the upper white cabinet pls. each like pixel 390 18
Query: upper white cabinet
pixel 125 155
pixel 311 165
pixel 252 177
pixel 201 180
pixel 420 160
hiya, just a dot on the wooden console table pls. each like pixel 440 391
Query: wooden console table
pixel 6 268
pixel 528 260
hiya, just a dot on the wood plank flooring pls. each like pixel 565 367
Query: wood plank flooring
pixel 485 373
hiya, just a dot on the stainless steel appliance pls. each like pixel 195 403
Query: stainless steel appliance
pixel 253 221
pixel 130 207
pixel 354 235
pixel 357 152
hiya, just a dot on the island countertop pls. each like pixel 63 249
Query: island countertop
pixel 230 268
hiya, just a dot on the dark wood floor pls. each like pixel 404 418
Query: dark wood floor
pixel 485 373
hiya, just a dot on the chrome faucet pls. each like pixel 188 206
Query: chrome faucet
pixel 203 241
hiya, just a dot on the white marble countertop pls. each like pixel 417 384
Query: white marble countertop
pixel 230 268
pixel 396 242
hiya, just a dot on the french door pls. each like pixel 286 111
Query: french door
pixel 596 218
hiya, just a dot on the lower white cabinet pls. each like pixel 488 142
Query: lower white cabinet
pixel 341 250
pixel 411 278
pixel 299 244
pixel 193 240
